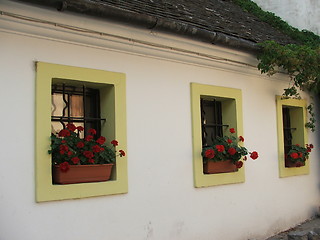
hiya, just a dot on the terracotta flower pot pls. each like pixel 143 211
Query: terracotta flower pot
pixel 210 167
pixel 82 174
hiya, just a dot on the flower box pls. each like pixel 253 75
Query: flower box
pixel 81 160
pixel 211 167
pixel 82 173
pixel 225 154
pixel 297 155
pixel 290 164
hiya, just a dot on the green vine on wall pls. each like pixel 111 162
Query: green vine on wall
pixel 301 60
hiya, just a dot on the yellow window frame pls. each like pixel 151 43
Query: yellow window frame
pixel 112 88
pixel 231 100
pixel 298 116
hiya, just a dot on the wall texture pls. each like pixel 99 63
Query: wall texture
pixel 162 202
pixel 300 14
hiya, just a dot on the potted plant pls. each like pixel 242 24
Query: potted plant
pixel 297 155
pixel 225 154
pixel 77 160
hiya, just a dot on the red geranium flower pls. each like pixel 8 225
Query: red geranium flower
pixel 64 148
pixel 294 155
pixel 88 138
pixel 80 128
pixel 71 127
pixel 239 164
pixel 88 154
pixel 80 144
pixel 75 160
pixel 91 160
pixel 232 151
pixel 96 148
pixel 64 133
pixel 62 152
pixel 311 145
pixel 101 140
pixel 92 131
pixel 122 153
pixel 232 130
pixel 70 153
pixel 300 155
pixel 229 141
pixel 114 142
pixel 220 148
pixel 209 154
pixel 64 167
pixel 241 139
pixel 254 155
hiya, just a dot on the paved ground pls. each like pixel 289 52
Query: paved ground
pixel 309 230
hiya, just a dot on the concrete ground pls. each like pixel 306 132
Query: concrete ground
pixel 309 230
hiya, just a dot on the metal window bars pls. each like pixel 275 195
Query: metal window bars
pixel 287 129
pixel 211 121
pixel 76 104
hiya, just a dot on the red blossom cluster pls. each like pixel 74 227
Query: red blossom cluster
pixel 227 148
pixel 297 155
pixel 68 148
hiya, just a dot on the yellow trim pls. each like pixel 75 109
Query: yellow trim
pixel 299 136
pixel 232 115
pixel 113 96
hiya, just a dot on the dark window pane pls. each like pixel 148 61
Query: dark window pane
pixel 287 129
pixel 211 121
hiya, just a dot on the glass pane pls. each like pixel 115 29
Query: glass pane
pixel 56 127
pixel 76 106
pixel 57 104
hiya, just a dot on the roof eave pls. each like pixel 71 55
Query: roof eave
pixel 103 10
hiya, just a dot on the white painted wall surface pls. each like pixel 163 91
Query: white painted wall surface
pixel 302 14
pixel 162 202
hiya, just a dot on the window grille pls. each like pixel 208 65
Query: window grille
pixel 75 104
pixel 287 130
pixel 211 121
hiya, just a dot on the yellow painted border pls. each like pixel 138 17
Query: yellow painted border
pixel 298 121
pixel 232 108
pixel 113 96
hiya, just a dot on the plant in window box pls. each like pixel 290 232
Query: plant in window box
pixel 297 155
pixel 77 160
pixel 225 154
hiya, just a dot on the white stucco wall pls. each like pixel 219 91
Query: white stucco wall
pixel 300 14
pixel 162 202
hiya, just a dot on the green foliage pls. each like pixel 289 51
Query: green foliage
pixel 301 61
pixel 304 37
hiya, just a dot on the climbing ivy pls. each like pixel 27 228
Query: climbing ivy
pixel 300 60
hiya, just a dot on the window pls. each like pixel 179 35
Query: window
pixel 291 119
pixel 77 105
pixel 211 121
pixel 222 104
pixel 287 130
pixel 103 92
